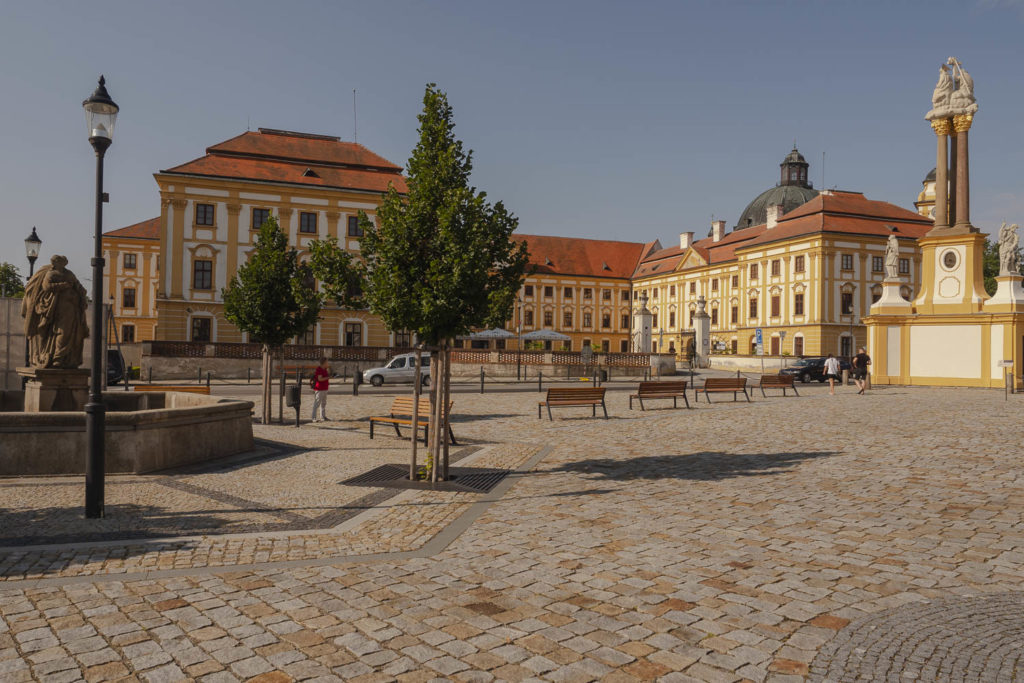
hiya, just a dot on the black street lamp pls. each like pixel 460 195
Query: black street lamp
pixel 32 243
pixel 100 115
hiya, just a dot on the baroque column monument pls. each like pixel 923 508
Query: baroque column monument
pixel 952 333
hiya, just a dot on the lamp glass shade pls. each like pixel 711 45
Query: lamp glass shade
pixel 32 243
pixel 100 112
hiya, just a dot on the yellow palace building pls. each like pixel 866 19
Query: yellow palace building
pixel 132 256
pixel 802 265
pixel 213 206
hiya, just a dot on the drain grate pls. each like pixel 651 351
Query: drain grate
pixel 377 476
pixel 478 481
pixel 468 479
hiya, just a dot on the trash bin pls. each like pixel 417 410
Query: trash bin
pixel 604 375
pixel 357 378
pixel 293 395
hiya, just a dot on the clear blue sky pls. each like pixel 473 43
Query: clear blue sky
pixel 630 120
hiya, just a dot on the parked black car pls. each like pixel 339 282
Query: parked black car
pixel 115 367
pixel 811 369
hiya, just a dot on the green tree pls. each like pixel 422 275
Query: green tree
pixel 270 298
pixel 342 277
pixel 11 283
pixel 440 259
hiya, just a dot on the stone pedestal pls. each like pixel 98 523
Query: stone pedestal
pixel 53 390
pixel 702 334
pixel 892 302
pixel 1009 296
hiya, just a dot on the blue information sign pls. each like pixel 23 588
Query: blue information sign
pixel 759 337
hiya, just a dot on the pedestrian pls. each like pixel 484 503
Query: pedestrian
pixel 319 382
pixel 831 373
pixel 860 369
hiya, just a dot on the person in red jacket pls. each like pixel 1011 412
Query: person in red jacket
pixel 319 382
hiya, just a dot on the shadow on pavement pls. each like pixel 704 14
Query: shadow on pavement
pixel 708 466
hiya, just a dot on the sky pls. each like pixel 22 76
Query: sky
pixel 613 120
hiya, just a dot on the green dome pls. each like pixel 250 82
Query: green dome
pixel 793 189
pixel 789 196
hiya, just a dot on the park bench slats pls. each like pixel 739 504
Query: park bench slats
pixel 401 414
pixel 717 385
pixel 657 390
pixel 783 382
pixel 574 396
pixel 187 389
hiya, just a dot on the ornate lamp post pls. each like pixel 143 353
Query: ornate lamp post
pixel 32 243
pixel 100 115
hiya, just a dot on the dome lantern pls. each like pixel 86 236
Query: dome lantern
pixel 794 169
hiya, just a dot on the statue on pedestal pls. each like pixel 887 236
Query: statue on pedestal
pixel 54 312
pixel 953 94
pixel 1009 251
pixel 892 258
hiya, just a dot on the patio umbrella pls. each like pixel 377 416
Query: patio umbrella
pixel 545 335
pixel 496 333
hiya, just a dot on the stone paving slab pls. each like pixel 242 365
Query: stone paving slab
pixel 725 543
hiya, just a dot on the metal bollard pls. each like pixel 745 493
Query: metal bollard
pixel 150 381
pixel 540 378
pixel 207 380
pixel 199 379
pixel 481 379
pixel 248 375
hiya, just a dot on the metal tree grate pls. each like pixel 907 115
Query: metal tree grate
pixel 478 481
pixel 377 476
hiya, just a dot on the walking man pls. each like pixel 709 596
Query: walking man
pixel 831 373
pixel 860 369
pixel 319 382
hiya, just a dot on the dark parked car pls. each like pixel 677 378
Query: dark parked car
pixel 811 369
pixel 115 367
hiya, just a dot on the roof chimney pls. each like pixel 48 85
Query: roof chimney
pixel 717 231
pixel 685 240
pixel 774 214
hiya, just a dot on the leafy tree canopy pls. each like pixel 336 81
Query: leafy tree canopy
pixel 341 276
pixel 11 283
pixel 270 296
pixel 441 259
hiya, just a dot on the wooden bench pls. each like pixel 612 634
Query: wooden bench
pixel 574 396
pixel 184 388
pixel 718 385
pixel 401 414
pixel 654 390
pixel 783 382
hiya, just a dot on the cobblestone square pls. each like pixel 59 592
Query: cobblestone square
pixel 811 537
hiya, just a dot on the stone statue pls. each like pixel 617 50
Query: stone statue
pixel 892 258
pixel 54 312
pixel 1009 253
pixel 954 93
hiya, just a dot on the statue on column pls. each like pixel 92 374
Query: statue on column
pixel 892 258
pixel 1009 251
pixel 54 312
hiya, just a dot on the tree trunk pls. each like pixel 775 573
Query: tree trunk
pixel 435 395
pixel 416 393
pixel 447 394
pixel 267 375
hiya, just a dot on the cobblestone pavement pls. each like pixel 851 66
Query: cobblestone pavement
pixel 729 542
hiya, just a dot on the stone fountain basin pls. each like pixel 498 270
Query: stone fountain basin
pixel 144 432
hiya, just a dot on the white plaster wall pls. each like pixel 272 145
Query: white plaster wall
pixel 945 351
pixel 998 353
pixel 892 350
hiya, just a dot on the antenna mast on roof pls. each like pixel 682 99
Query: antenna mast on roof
pixel 355 118
pixel 823 169
pixel 248 123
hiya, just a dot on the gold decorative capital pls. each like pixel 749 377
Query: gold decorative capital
pixel 284 212
pixel 333 215
pixel 962 122
pixel 234 209
pixel 942 126
pixel 179 204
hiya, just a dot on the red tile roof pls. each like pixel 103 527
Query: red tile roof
pixel 146 230
pixel 296 158
pixel 578 256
